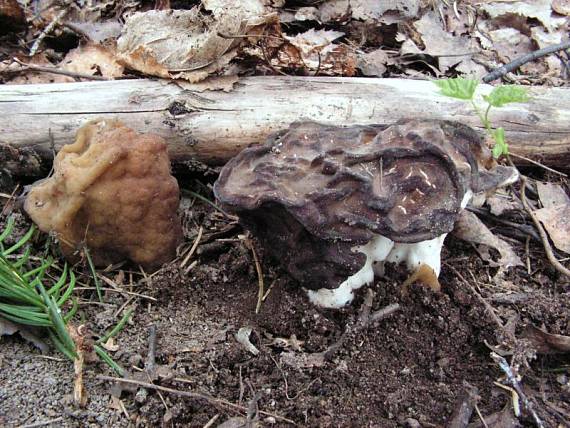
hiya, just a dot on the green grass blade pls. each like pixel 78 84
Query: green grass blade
pixel 21 242
pixel 94 273
pixel 7 230
pixel 68 290
pixel 56 318
pixel 72 311
pixel 107 359
pixel 117 328
pixel 23 259
pixel 60 346
pixel 24 314
pixel 54 290
pixel 25 322
pixel 40 269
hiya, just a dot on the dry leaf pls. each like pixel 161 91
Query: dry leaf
pixel 373 63
pixel 110 345
pixel 449 49
pixel 314 46
pixel 97 31
pixel 544 39
pixel 387 12
pixel 242 337
pixel 187 44
pixel 556 221
pixel 539 9
pixel 546 343
pixel 551 195
pixel 8 328
pixel 214 83
pixel 510 43
pixel 311 51
pixel 561 6
pixel 469 228
pixel 93 60
pixel 500 202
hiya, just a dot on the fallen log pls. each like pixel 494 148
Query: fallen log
pixel 212 125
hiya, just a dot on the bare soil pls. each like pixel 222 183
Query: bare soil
pixel 408 369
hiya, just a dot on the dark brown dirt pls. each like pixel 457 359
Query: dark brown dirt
pixel 406 370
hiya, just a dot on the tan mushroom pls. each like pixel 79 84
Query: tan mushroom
pixel 111 191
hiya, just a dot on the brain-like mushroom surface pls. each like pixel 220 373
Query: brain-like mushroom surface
pixel 328 202
pixel 112 191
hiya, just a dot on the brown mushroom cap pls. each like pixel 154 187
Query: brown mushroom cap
pixel 314 192
pixel 405 182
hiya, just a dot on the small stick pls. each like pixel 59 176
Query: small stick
pixel 365 320
pixel 52 70
pixel 512 378
pixel 261 285
pixel 151 357
pixel 481 418
pixel 42 424
pixel 189 394
pixel 48 29
pixel 194 247
pixel 462 413
pixel 547 248
pixel 513 65
pixel 211 421
pixel 486 304
pixel 119 291
pixel 538 164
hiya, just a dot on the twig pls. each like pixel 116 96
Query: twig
pixel 211 421
pixel 486 304
pixel 212 204
pixel 112 290
pixel 52 70
pixel 481 418
pixel 512 378
pixel 43 423
pixel 384 312
pixel 365 320
pixel 260 283
pixel 48 29
pixel 513 65
pixel 194 246
pixel 190 394
pixel 462 413
pixel 526 229
pixel 538 164
pixel 547 248
pixel 151 357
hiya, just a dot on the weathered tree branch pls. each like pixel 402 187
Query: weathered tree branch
pixel 212 126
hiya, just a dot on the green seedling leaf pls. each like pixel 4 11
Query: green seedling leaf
pixel 506 94
pixel 460 88
pixel 500 147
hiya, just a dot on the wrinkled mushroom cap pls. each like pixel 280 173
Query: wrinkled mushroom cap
pixel 334 187
pixel 112 191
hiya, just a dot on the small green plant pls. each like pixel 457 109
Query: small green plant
pixel 464 89
pixel 25 299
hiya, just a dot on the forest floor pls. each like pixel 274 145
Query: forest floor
pixel 313 367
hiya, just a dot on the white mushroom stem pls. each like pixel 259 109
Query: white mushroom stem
pixel 378 251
